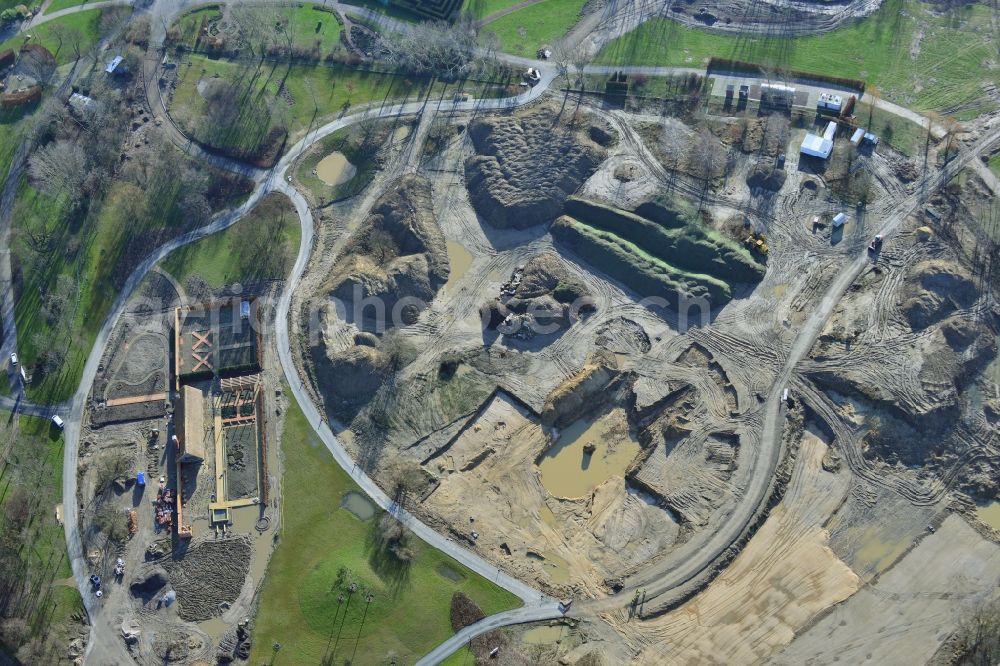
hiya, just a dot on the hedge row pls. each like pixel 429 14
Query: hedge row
pixel 21 97
pixel 729 65
pixel 677 240
pixel 642 272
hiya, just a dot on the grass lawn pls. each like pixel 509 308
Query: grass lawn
pixel 309 24
pixel 918 58
pixel 259 247
pixel 294 96
pixel 483 8
pixel 523 32
pixel 995 164
pixel 904 135
pixel 84 256
pixel 31 451
pixel 87 23
pixel 56 5
pixel 410 613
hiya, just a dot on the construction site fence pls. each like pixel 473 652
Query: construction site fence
pixel 719 65
pixel 262 433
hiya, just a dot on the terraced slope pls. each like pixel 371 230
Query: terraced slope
pixel 661 250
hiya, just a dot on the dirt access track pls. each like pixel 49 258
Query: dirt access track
pixel 744 351
pixel 608 454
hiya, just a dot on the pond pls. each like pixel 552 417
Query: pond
pixel 459 259
pixel 569 470
pixel 359 505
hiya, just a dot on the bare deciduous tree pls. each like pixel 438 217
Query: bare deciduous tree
pixel 434 47
pixel 39 66
pixel 60 169
pixel 706 155
pixel 977 641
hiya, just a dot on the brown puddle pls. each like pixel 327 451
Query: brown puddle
pixel 459 259
pixel 555 566
pixel 543 635
pixel 334 169
pixel 359 505
pixel 875 554
pixel 989 514
pixel 568 471
pixel 244 522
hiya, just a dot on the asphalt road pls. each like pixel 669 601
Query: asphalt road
pixel 106 648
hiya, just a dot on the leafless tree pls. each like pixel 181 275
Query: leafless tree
pixel 255 27
pixel 74 38
pixel 60 169
pixel 977 641
pixel 59 32
pixel 952 128
pixel 38 65
pixel 705 156
pixel 673 145
pixel 434 47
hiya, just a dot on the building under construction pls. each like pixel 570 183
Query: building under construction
pixel 219 425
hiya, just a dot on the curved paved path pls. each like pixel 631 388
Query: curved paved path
pixel 106 648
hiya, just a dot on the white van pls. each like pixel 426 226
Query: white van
pixel 58 421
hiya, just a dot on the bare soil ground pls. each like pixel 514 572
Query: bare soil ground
pixel 215 576
pixel 785 576
pixel 897 397
pixel 911 609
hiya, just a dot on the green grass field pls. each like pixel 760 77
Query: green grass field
pixel 309 24
pixel 57 5
pixel 84 255
pixel 410 613
pixel 259 247
pixel 904 135
pixel 296 96
pixel 87 23
pixel 919 58
pixel 484 8
pixel 31 452
pixel 523 32
pixel 995 164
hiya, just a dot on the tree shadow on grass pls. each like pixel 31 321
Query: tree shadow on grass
pixel 390 551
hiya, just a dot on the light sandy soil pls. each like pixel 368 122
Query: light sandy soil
pixel 905 616
pixel 562 543
pixel 784 577
pixel 692 396
pixel 138 349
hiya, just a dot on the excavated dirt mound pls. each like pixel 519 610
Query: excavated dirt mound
pixel 398 253
pixel 547 292
pixel 350 378
pixel 766 178
pixel 579 394
pixel 210 573
pixel 527 164
pixel 623 336
pixel 934 290
pixel 146 587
